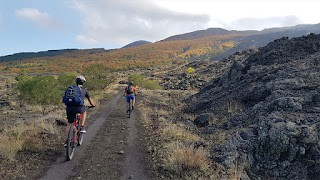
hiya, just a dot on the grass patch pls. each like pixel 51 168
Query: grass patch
pixel 186 161
pixel 234 107
pixel 172 144
pixel 24 136
pixel 179 133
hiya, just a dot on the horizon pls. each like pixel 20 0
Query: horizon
pixel 35 26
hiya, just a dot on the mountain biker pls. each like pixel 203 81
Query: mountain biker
pixel 130 93
pixel 73 110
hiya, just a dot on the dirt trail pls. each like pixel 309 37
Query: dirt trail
pixel 111 148
pixel 135 159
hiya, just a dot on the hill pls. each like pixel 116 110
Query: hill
pixel 211 44
pixel 49 53
pixel 265 109
pixel 136 43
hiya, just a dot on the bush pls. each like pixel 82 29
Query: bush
pixel 39 90
pixel 66 79
pixel 139 80
pixel 50 89
pixel 98 77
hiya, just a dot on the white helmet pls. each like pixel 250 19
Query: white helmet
pixel 80 79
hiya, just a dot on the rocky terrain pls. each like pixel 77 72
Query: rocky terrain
pixel 204 72
pixel 268 107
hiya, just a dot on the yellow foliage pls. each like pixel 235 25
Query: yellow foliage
pixel 190 70
pixel 228 44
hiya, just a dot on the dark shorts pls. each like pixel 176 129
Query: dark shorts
pixel 72 111
pixel 128 97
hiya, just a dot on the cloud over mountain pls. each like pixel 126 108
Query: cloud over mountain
pixel 122 21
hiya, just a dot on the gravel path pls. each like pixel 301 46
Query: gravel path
pixel 111 148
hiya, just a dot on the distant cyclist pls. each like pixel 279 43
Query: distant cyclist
pixel 130 93
pixel 72 110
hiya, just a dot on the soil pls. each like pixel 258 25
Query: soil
pixel 112 148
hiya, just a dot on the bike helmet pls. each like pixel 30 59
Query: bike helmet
pixel 130 83
pixel 80 79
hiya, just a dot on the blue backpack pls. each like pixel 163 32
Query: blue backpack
pixel 72 96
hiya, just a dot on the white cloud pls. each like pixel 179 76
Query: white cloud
pixel 86 39
pixel 40 18
pixel 250 14
pixel 261 23
pixel 125 21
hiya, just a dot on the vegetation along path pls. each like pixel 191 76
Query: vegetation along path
pixel 111 148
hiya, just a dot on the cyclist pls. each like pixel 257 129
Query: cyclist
pixel 130 93
pixel 73 110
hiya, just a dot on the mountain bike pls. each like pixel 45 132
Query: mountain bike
pixel 75 137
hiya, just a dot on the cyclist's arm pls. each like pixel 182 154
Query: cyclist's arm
pixel 91 103
pixel 125 92
pixel 87 95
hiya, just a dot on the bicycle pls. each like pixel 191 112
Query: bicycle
pixel 75 137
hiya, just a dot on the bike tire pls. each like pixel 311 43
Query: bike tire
pixel 80 135
pixel 70 143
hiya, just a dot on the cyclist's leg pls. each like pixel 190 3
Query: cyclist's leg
pixel 83 111
pixel 133 100
pixel 128 101
pixel 71 116
pixel 84 116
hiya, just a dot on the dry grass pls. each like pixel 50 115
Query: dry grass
pixel 186 161
pixel 107 93
pixel 234 107
pixel 23 136
pixel 171 142
pixel 178 132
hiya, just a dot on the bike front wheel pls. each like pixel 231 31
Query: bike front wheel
pixel 80 135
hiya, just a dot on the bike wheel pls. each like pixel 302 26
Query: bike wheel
pixel 70 143
pixel 80 135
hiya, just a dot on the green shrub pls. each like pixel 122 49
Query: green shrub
pixel 40 90
pixel 66 79
pixel 50 89
pixel 98 77
pixel 139 80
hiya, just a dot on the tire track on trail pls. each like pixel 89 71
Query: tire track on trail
pixel 111 148
pixel 135 163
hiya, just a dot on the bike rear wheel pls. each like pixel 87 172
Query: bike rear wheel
pixel 71 143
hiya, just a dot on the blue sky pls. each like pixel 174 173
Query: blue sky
pixel 38 25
